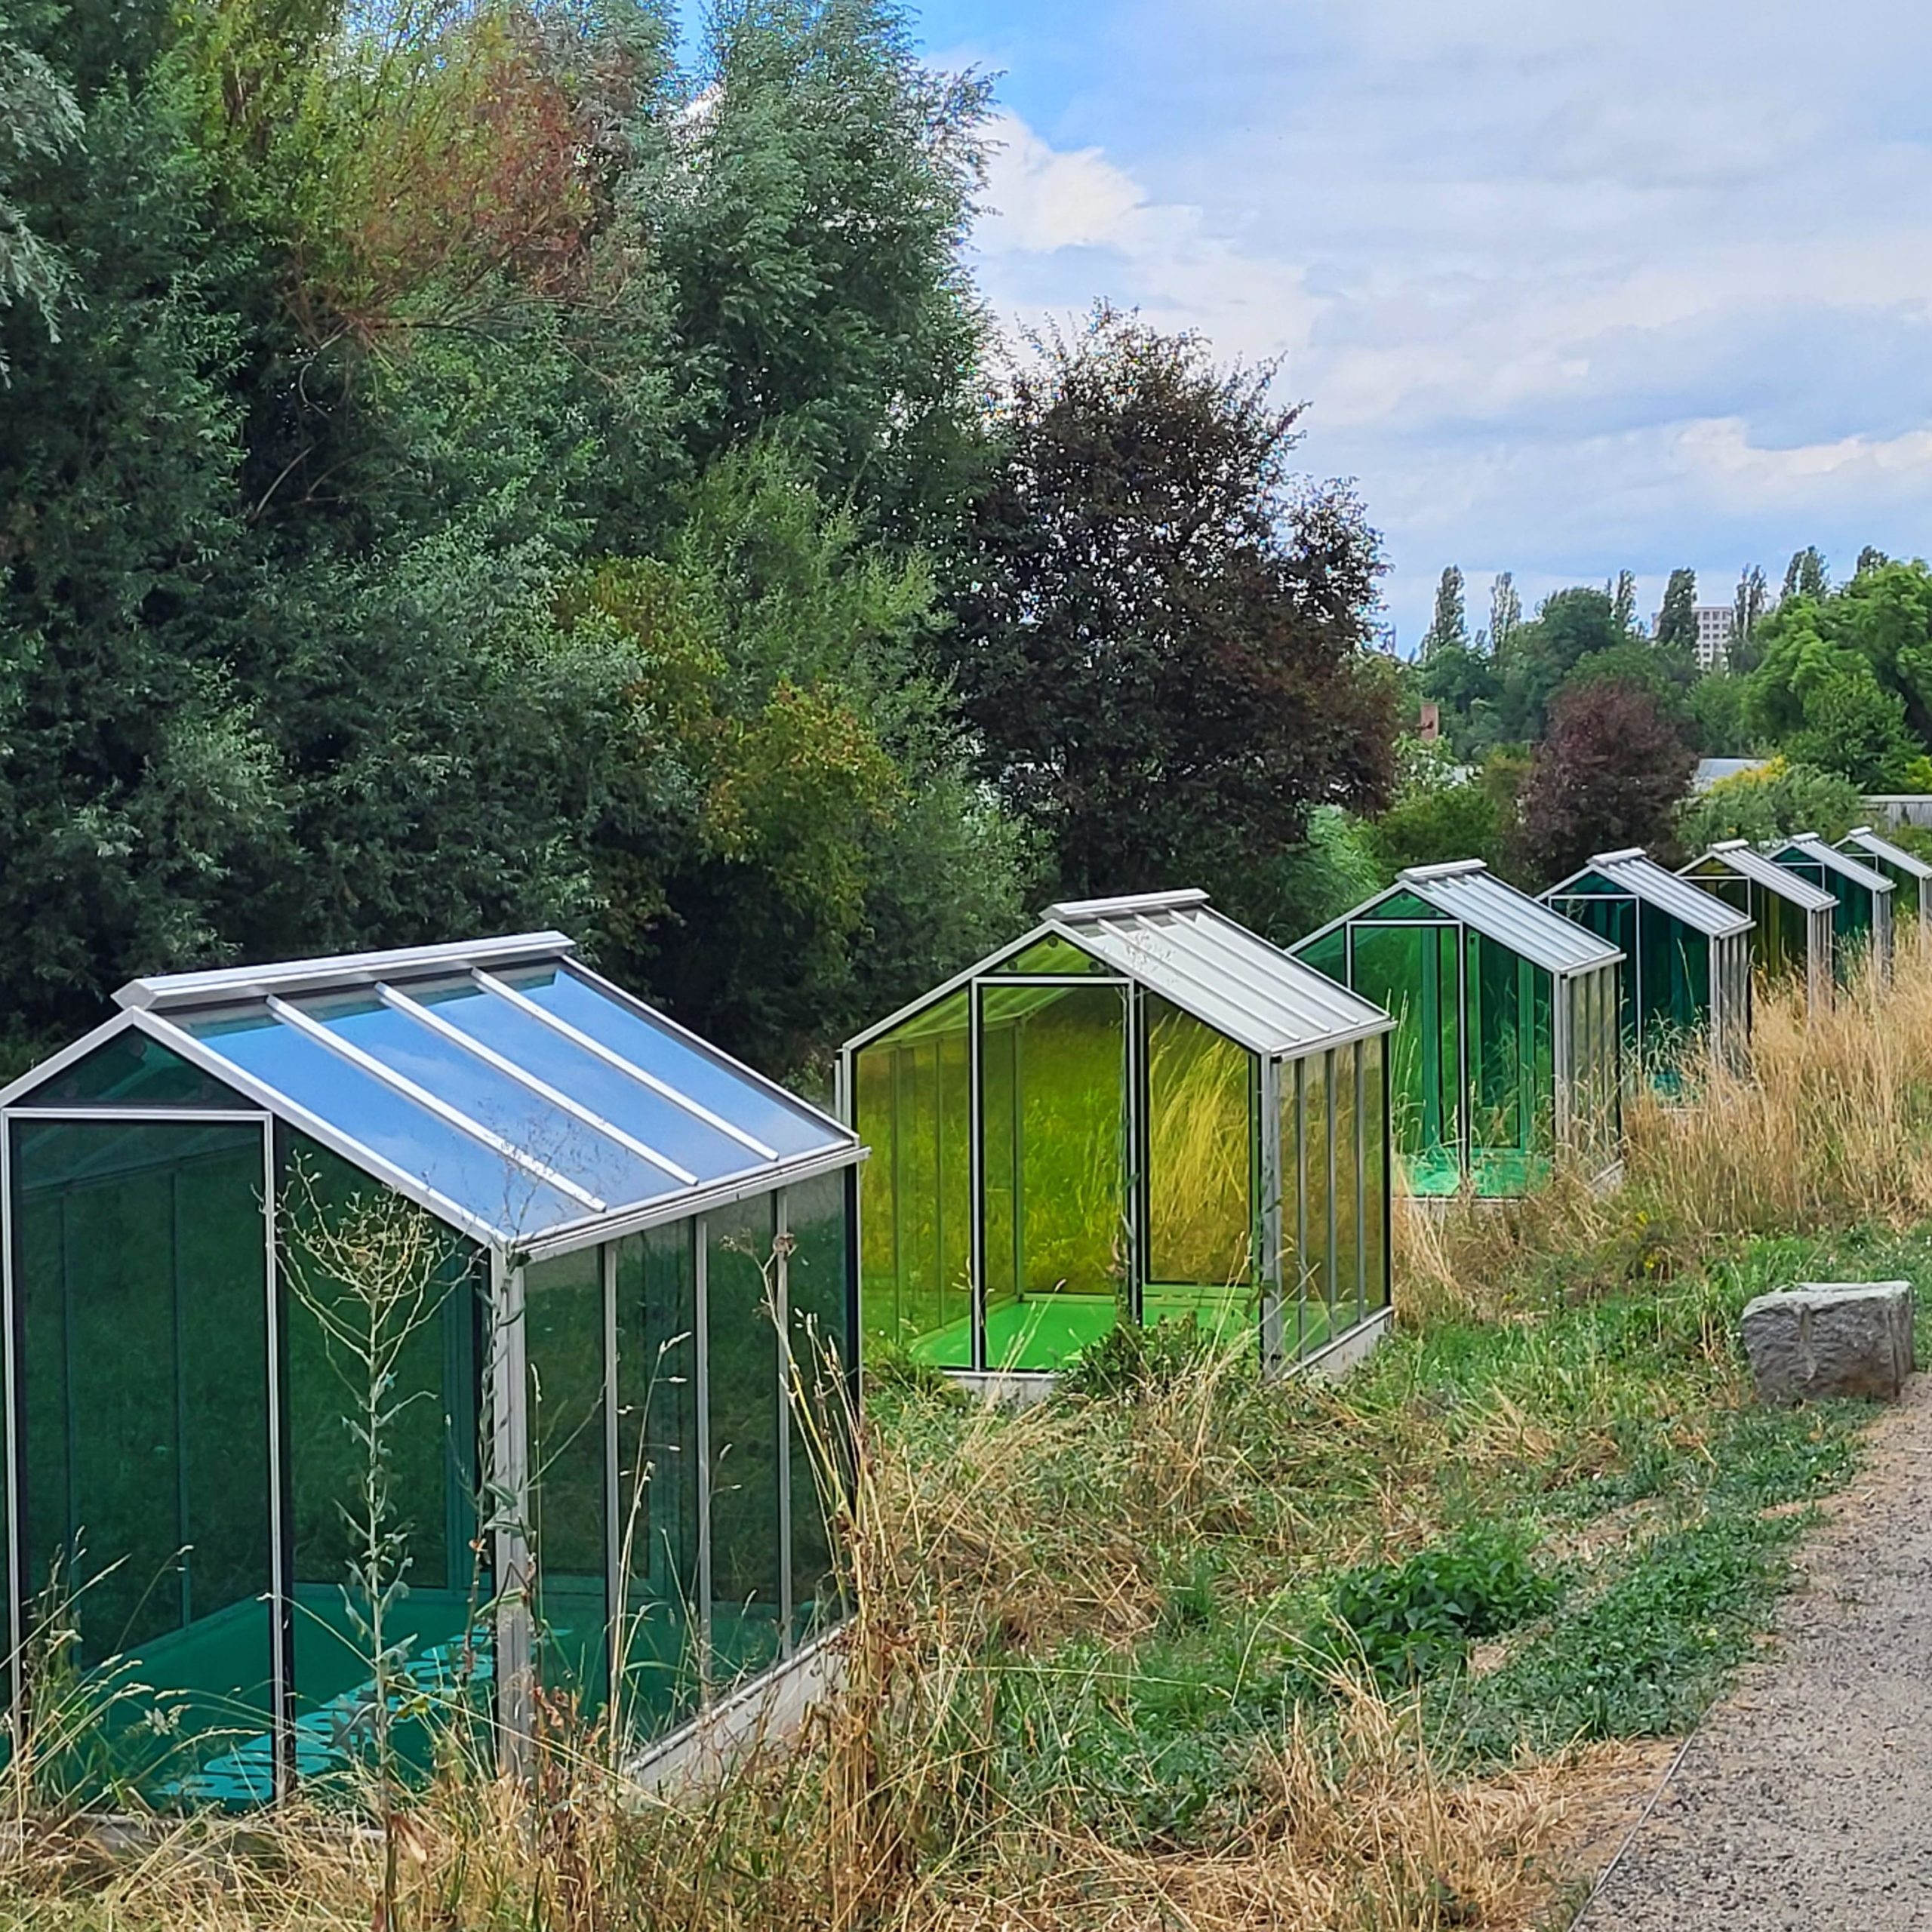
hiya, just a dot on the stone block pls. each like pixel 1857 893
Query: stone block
pixel 1831 1338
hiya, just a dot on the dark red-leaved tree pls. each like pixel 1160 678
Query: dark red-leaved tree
pixel 1610 773
pixel 1161 636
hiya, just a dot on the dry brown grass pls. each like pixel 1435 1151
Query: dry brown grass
pixel 1830 1127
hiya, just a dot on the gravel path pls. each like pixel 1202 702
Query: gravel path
pixel 1805 1800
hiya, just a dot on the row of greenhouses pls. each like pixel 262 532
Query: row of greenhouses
pixel 403 1347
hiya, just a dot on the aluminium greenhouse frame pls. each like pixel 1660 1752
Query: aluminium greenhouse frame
pixel 1910 875
pixel 1686 955
pixel 1862 917
pixel 1070 1052
pixel 1791 919
pixel 365 1070
pixel 1526 982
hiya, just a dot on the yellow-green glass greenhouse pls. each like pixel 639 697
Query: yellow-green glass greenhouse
pixel 1140 1112
pixel 1791 917
pixel 1507 1048
pixel 574 1251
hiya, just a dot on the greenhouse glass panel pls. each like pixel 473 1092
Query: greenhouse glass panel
pixel 570 1524
pixel 478 1177
pixel 747 1559
pixel 131 1070
pixel 141 1264
pixel 916 1289
pixel 1068 1171
pixel 1201 1100
pixel 675 1058
pixel 659 1454
pixel 1375 1176
pixel 668 1128
pixel 1345 1191
pixel 1316 1139
pixel 1412 972
pixel 822 1363
pixel 1052 955
pixel 417 1322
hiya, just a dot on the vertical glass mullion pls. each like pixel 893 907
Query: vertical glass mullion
pixel 1356 1053
pixel 782 1317
pixel 701 1270
pixel 976 1165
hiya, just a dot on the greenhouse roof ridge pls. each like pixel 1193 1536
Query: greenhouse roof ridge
pixel 166 990
pixel 1447 868
pixel 1075 910
pixel 1617 858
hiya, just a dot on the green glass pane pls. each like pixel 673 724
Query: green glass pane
pixel 911 1105
pixel 142 1264
pixel 1317 1255
pixel 659 1453
pixel 1345 1309
pixel 1052 955
pixel 416 1321
pixel 1201 1139
pixel 1411 972
pixel 1375 1176
pixel 1293 1314
pixel 1071 1200
pixel 132 1070
pixel 1004 1158
pixel 1407 906
pixel 1329 954
pixel 821 1463
pixel 747 1400
pixel 569 1527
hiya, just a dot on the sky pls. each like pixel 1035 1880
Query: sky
pixel 1567 287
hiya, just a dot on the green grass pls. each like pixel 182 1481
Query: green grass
pixel 1567 1524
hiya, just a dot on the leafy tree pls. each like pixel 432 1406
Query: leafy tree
pixel 1449 629
pixel 1717 725
pixel 1570 627
pixel 1161 638
pixel 1505 613
pixel 1747 608
pixel 1677 621
pixel 1623 600
pixel 1870 558
pixel 1854 727
pixel 1772 802
pixel 39 121
pixel 1441 812
pixel 1611 772
pixel 1805 575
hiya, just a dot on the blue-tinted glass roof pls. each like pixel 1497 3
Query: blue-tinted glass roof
pixel 500 1083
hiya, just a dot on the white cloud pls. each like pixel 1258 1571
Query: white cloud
pixel 1569 288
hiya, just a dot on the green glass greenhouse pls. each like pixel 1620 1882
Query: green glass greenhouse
pixel 1506 1049
pixel 1791 928
pixel 1687 971
pixel 1139 1112
pixel 1910 875
pixel 1862 896
pixel 611 1245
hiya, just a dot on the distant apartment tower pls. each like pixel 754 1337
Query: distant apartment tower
pixel 1717 624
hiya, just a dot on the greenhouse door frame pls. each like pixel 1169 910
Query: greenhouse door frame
pixel 12 1351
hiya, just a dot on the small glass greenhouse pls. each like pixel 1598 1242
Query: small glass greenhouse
pixel 1140 1112
pixel 1791 918
pixel 1507 1042
pixel 1910 875
pixel 1687 971
pixel 594 1341
pixel 1862 896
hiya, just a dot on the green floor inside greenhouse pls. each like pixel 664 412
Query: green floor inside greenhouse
pixel 1043 1332
pixel 1434 1173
